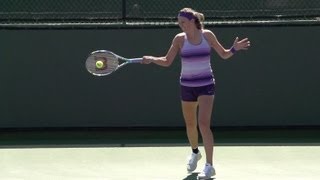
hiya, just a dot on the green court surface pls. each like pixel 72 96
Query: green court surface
pixel 157 155
pixel 81 137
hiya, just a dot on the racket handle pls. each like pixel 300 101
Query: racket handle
pixel 135 60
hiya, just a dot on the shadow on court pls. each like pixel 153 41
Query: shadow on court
pixel 193 176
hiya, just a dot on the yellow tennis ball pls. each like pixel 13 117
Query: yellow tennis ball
pixel 99 64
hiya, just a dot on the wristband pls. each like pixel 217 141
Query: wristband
pixel 233 50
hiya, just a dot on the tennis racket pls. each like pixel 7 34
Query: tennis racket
pixel 103 62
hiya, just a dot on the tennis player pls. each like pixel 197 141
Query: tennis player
pixel 197 81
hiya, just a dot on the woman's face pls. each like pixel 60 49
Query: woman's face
pixel 184 23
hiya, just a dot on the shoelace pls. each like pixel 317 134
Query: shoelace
pixel 192 158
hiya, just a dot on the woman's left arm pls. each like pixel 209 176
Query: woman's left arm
pixel 243 44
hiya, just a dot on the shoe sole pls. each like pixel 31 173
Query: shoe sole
pixel 204 178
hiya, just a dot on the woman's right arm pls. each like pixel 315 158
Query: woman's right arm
pixel 168 59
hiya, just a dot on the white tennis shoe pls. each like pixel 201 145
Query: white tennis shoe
pixel 193 161
pixel 207 172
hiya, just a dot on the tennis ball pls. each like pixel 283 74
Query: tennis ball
pixel 99 64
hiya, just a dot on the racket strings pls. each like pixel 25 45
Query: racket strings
pixel 110 61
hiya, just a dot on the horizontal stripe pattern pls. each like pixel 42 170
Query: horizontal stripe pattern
pixel 195 62
pixel 197 81
pixel 195 54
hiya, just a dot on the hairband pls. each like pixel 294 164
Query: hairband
pixel 187 15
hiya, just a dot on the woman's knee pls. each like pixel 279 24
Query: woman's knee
pixel 204 125
pixel 191 124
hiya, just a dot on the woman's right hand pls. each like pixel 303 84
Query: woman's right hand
pixel 146 59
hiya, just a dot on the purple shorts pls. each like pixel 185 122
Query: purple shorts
pixel 192 93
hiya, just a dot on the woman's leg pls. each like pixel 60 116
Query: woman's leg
pixel 204 120
pixel 190 115
pixel 189 110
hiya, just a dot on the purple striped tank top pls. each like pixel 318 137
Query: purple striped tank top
pixel 195 64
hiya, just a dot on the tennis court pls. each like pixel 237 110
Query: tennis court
pixel 251 154
pixel 59 122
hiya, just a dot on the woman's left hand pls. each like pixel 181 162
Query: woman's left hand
pixel 243 44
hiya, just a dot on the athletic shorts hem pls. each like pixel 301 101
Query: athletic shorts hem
pixel 192 94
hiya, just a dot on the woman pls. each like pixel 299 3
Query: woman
pixel 197 81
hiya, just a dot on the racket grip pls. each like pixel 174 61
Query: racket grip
pixel 135 60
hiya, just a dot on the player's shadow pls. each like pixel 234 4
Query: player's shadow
pixel 194 176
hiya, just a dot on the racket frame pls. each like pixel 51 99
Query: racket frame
pixel 119 58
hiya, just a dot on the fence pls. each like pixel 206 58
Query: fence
pixel 155 12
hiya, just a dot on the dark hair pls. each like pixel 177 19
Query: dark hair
pixel 198 17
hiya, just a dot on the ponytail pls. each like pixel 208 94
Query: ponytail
pixel 199 19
